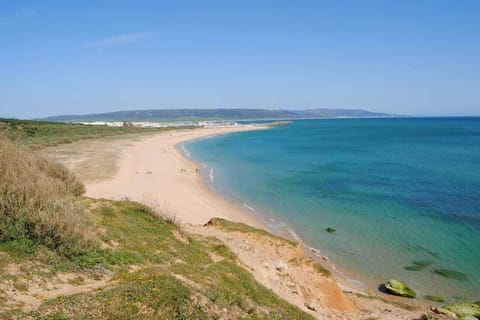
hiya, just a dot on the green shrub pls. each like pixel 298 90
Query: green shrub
pixel 37 202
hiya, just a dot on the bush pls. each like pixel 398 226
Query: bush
pixel 37 202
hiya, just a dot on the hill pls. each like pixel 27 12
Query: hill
pixel 218 114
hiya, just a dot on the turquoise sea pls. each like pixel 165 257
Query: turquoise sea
pixel 402 193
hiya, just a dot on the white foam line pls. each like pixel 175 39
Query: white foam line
pixel 210 175
pixel 295 236
pixel 249 208
pixel 186 151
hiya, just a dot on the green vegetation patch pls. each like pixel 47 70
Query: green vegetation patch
pixel 227 285
pixel 461 310
pixel 135 232
pixel 140 296
pixel 176 279
pixel 242 227
pixel 40 134
pixel 399 288
pixel 223 251
pixel 321 269
pixel 19 248
pixel 38 206
pixel 224 284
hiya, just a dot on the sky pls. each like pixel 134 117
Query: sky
pixel 77 57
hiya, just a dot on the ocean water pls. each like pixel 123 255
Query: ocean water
pixel 402 194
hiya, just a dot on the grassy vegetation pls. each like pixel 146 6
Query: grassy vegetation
pixel 143 295
pixel 39 134
pixel 37 204
pixel 242 227
pixel 158 272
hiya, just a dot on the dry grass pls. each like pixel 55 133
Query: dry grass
pixel 37 202
pixel 162 210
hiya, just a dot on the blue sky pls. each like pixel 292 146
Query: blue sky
pixel 75 57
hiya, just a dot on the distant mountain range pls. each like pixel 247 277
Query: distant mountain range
pixel 218 114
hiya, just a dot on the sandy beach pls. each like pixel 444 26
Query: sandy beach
pixel 155 172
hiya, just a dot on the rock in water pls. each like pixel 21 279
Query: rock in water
pixel 399 288
pixel 440 310
pixel 330 229
pixel 464 310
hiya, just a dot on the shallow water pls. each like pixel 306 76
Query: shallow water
pixel 396 191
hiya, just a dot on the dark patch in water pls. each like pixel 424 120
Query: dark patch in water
pixel 424 250
pixel 451 274
pixel 418 265
pixel 466 220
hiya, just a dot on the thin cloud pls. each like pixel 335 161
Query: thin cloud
pixel 119 40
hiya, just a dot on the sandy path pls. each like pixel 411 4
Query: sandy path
pixel 153 171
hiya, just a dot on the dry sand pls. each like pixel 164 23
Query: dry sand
pixel 153 171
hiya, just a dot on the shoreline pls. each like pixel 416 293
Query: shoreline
pixel 155 171
pixel 279 228
pixel 349 280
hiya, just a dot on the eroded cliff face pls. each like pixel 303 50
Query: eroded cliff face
pixel 283 267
